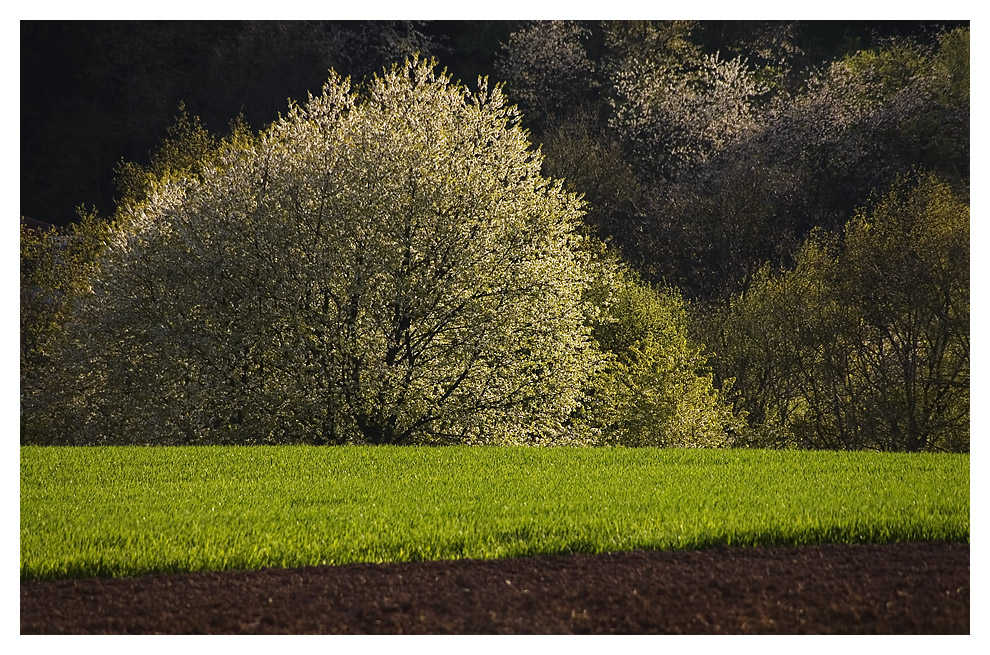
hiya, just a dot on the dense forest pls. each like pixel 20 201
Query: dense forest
pixel 758 234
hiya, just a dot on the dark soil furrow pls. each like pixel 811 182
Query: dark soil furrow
pixel 850 589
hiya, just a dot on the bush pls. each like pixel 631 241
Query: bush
pixel 657 389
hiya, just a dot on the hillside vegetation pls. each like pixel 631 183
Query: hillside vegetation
pixel 640 233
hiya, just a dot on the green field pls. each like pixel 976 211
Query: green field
pixel 116 511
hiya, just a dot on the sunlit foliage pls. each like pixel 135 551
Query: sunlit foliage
pixel 865 342
pixel 388 267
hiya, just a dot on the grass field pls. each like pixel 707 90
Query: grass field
pixel 129 510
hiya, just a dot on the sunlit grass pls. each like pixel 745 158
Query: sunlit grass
pixel 131 510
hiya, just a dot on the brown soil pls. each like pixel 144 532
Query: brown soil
pixel 898 588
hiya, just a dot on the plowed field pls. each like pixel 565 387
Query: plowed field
pixel 847 589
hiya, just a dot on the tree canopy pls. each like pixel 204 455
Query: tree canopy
pixel 638 222
pixel 382 267
pixel 385 269
pixel 865 342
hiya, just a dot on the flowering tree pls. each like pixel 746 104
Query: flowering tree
pixel 389 268
pixel 674 118
pixel 548 69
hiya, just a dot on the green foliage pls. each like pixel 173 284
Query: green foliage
pixel 905 272
pixel 667 44
pixel 884 71
pixel 394 266
pixel 950 68
pixel 865 343
pixel 186 152
pixel 56 269
pixel 657 389
pixel 127 511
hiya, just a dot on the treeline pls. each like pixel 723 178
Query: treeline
pixel 817 217
pixel 772 248
pixel 386 266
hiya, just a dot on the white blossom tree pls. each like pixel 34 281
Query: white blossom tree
pixel 549 72
pixel 388 267
pixel 676 117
